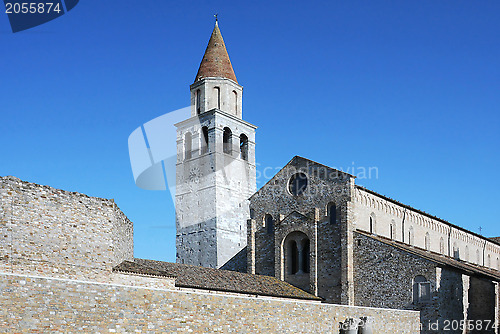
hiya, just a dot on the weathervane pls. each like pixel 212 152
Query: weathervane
pixel 215 15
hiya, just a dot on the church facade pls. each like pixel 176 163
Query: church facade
pixel 313 227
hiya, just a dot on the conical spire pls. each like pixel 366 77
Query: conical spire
pixel 215 62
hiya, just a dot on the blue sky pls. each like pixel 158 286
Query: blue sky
pixel 409 87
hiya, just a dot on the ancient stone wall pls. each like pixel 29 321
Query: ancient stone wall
pixel 324 186
pixel 385 277
pixel 57 228
pixel 31 304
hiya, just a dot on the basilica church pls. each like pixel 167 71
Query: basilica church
pixel 308 252
pixel 313 226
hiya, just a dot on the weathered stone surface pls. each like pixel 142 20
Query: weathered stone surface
pixel 44 224
pixel 60 305
pixel 308 214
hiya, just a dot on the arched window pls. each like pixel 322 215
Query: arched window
pixel 235 101
pixel 204 140
pixel 427 241
pixel 217 94
pixel 188 142
pixel 244 147
pixel 198 101
pixel 392 230
pixel 410 236
pixel 421 290
pixel 373 222
pixel 269 224
pixel 227 141
pixel 441 245
pixel 297 256
pixel 456 251
pixel 332 213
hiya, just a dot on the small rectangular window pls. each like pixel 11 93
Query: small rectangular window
pixel 424 291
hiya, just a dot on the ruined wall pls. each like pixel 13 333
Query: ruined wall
pixel 32 304
pixel 45 227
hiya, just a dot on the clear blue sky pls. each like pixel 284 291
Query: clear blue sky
pixel 410 87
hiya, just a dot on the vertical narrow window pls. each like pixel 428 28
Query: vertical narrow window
pixel 217 95
pixel 198 101
pixel 427 241
pixel 373 223
pixel 188 142
pixel 227 141
pixel 392 231
pixel 204 140
pixel 294 257
pixel 410 236
pixel 466 253
pixel 269 224
pixel 478 257
pixel 441 246
pixel 305 255
pixel 488 264
pixel 244 147
pixel 332 213
pixel 235 98
pixel 456 251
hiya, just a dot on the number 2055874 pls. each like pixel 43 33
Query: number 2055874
pixel 32 8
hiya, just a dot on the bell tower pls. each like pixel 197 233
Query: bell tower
pixel 215 171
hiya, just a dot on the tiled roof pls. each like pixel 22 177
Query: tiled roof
pixel 188 276
pixel 215 62
pixel 442 260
